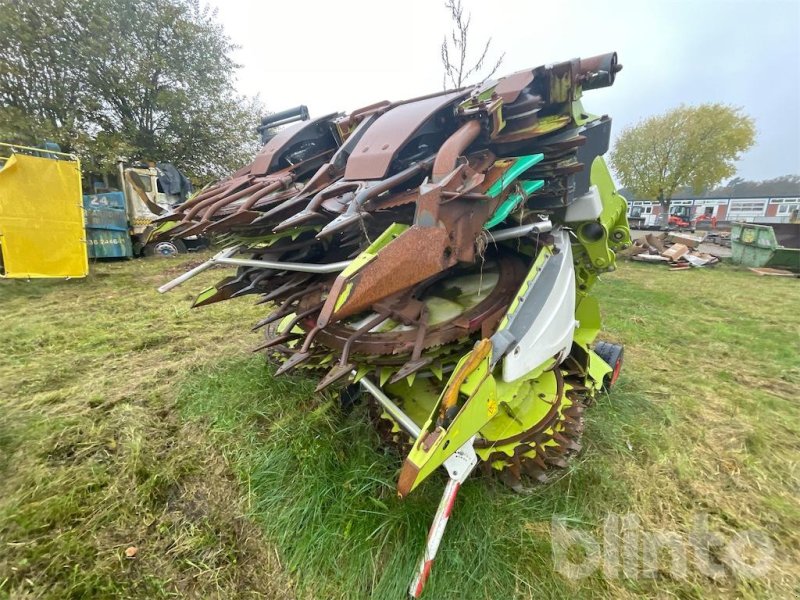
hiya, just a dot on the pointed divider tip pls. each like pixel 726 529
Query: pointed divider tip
pixel 293 362
pixel 335 374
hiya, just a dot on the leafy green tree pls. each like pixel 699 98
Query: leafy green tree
pixel 142 79
pixel 43 92
pixel 692 147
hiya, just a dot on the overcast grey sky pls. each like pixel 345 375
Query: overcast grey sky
pixel 337 56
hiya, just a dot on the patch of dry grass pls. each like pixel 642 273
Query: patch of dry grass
pixel 94 458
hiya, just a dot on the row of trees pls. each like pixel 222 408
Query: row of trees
pixel 142 79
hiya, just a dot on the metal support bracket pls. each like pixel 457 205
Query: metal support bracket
pixel 395 411
pixel 224 258
pixel 520 231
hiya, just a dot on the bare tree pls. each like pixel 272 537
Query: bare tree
pixel 454 50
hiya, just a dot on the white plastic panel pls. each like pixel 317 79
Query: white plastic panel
pixel 586 208
pixel 549 317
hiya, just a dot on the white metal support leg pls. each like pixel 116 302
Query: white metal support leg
pixel 459 466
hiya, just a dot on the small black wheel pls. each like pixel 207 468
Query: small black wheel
pixel 165 248
pixel 349 396
pixel 612 354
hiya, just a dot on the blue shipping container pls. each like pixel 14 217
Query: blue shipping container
pixel 107 225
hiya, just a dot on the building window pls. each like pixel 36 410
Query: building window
pixel 747 208
pixel 786 209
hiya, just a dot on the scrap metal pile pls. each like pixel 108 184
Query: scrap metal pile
pixel 439 251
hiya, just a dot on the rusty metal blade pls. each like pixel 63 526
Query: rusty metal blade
pixel 292 362
pixel 335 374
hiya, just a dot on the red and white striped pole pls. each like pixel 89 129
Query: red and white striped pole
pixel 435 537
pixel 459 466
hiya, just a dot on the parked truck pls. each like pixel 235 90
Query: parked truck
pixel 119 222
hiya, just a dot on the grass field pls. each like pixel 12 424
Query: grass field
pixel 130 420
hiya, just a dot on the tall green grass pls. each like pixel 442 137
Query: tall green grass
pixel 323 488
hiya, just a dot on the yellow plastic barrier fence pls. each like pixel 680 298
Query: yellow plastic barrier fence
pixel 42 230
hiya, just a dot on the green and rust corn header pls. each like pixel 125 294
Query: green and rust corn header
pixel 439 253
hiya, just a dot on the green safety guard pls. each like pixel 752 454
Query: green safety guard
pixel 521 164
pixel 510 203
